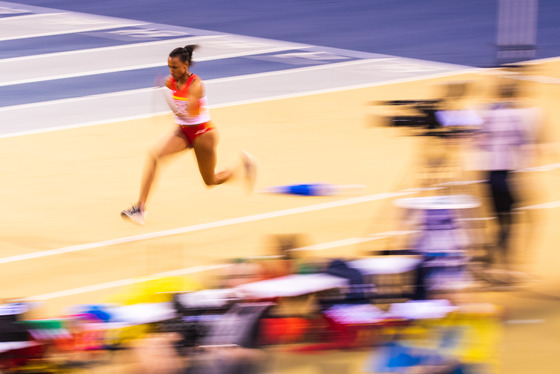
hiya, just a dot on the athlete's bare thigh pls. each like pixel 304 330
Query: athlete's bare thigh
pixel 170 144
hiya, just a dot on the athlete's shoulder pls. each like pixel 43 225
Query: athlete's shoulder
pixel 196 80
pixel 196 86
pixel 170 82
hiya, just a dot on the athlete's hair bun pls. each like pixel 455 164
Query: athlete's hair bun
pixel 184 53
pixel 190 48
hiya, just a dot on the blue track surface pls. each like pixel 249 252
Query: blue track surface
pixel 452 31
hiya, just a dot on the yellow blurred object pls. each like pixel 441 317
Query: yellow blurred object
pixel 156 290
pixel 151 290
pixel 481 334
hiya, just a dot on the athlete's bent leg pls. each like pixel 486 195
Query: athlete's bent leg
pixel 205 149
pixel 176 142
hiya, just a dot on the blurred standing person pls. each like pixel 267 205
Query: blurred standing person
pixel 194 130
pixel 507 135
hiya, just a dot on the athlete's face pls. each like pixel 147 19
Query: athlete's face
pixel 177 68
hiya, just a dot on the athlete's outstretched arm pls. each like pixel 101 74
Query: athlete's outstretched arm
pixel 165 89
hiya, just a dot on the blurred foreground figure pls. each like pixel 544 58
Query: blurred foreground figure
pixel 507 136
pixel 157 354
pixel 160 353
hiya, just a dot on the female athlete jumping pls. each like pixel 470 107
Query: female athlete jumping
pixel 194 130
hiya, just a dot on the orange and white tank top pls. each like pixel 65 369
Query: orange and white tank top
pixel 180 97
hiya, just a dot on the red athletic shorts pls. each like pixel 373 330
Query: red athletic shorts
pixel 194 131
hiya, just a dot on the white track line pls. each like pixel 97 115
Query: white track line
pixel 123 282
pixel 74 99
pixel 547 167
pixel 198 269
pixel 25 16
pixel 203 226
pixel 302 69
pixel 84 124
pixel 141 66
pixel 549 205
pixel 107 23
pixel 180 40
